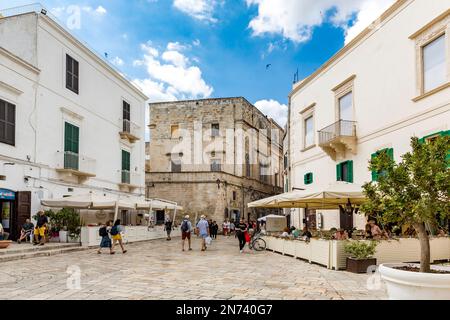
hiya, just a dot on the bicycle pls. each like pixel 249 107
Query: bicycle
pixel 257 243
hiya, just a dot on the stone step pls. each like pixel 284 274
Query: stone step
pixel 40 253
pixel 24 248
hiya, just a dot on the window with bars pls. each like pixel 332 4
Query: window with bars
pixel 72 74
pixel 7 123
pixel 215 130
pixel 216 165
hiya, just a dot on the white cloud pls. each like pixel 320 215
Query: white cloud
pixel 171 75
pixel 199 9
pixel 295 20
pixel 100 10
pixel 273 109
pixel 117 62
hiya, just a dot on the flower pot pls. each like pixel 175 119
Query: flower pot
pixel 5 244
pixel 63 236
pixel 408 285
pixel 360 265
pixel 73 239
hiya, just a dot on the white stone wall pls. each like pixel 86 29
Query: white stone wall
pixel 385 84
pixel 43 104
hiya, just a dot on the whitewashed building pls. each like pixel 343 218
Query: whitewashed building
pixel 69 122
pixel 390 83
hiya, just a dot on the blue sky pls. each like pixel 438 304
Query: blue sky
pixel 183 49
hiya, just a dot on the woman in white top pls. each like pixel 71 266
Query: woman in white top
pixel 226 227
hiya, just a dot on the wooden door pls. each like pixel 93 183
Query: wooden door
pixel 21 212
pixel 311 221
pixel 346 220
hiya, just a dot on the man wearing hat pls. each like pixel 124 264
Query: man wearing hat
pixel 186 229
pixel 203 230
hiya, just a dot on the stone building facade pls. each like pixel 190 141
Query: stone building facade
pixel 214 156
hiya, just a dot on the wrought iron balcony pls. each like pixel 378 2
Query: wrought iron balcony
pixel 73 164
pixel 130 131
pixel 338 137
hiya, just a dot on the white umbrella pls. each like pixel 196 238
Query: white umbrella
pixel 89 201
pixel 157 204
pixel 271 216
pixel 332 197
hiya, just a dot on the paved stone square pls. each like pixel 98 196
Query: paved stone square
pixel 160 270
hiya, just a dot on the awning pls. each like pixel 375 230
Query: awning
pixel 89 201
pixel 338 194
pixel 274 216
pixel 157 204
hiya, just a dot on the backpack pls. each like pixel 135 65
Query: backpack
pixel 114 231
pixel 185 226
pixel 103 232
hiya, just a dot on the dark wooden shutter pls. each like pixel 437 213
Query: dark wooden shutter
pixel 7 123
pixel 23 212
pixel 125 160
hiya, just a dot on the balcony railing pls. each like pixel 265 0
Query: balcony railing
pixel 338 137
pixel 130 130
pixel 342 128
pixel 76 164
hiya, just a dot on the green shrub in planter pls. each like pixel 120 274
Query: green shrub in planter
pixel 361 253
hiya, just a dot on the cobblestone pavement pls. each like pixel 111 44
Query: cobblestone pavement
pixel 160 270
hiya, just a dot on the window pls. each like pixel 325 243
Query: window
pixel 344 171
pixel 285 161
pixel 216 165
pixel 434 64
pixel 263 172
pixel 346 107
pixel 309 131
pixel 175 131
pixel 277 176
pixel 7 123
pixel 71 146
pixel 377 174
pixel 72 74
pixel 430 138
pixel 126 164
pixel 176 165
pixel 126 117
pixel 286 185
pixel 308 178
pixel 247 165
pixel 215 130
pixel 234 195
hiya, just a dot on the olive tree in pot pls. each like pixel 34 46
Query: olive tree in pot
pixel 361 253
pixel 413 192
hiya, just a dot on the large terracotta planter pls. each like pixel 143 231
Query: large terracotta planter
pixel 5 244
pixel 407 285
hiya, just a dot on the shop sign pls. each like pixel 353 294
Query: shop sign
pixel 6 194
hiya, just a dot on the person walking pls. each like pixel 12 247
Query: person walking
pixel 104 232
pixel 214 230
pixel 116 231
pixel 168 228
pixel 203 230
pixel 186 229
pixel 226 227
pixel 39 231
pixel 241 229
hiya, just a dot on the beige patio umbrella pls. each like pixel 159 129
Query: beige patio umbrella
pixel 158 204
pixel 331 197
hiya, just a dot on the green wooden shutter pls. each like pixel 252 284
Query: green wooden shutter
pixel 350 171
pixel 125 160
pixel 308 178
pixel 339 172
pixel 374 172
pixel 390 153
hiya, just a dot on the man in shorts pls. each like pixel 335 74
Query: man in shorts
pixel 186 229
pixel 39 231
pixel 203 230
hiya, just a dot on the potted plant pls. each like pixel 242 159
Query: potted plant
pixel 72 222
pixel 413 192
pixel 361 253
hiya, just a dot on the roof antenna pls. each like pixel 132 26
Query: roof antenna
pixel 296 77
